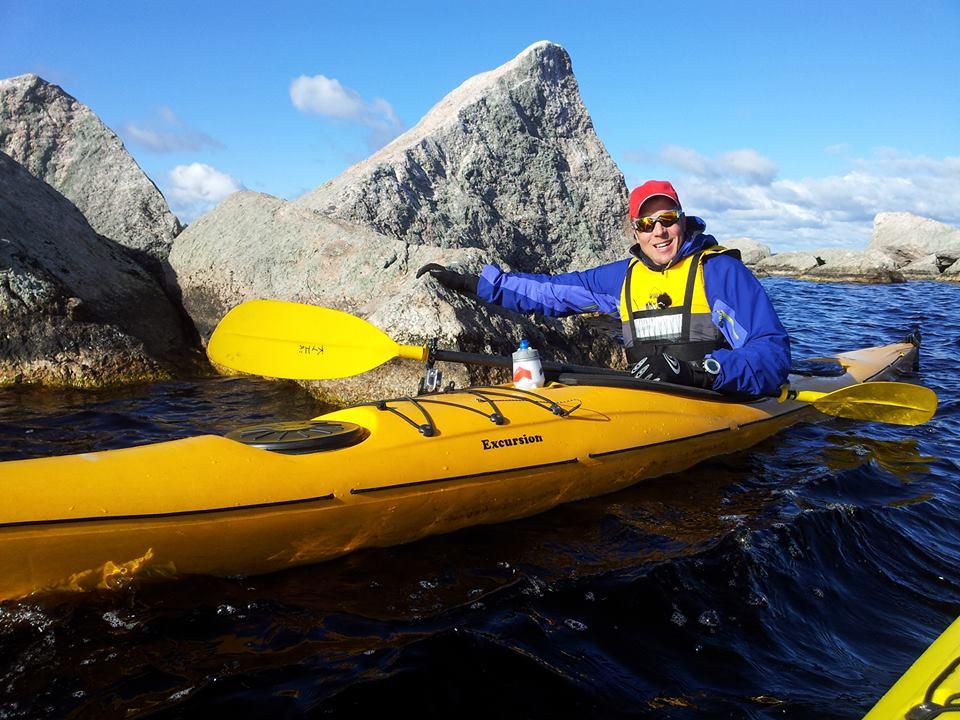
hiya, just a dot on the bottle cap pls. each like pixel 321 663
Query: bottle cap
pixel 524 345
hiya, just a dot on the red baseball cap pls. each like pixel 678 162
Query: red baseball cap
pixel 651 188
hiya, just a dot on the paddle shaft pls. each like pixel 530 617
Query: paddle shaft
pixel 554 368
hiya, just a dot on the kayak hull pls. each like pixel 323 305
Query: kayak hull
pixel 210 505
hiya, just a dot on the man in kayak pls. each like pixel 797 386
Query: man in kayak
pixel 692 313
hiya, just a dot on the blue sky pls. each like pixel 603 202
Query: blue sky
pixel 793 123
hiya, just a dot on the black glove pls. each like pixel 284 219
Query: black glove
pixel 451 278
pixel 667 368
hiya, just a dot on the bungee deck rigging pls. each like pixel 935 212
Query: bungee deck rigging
pixel 484 393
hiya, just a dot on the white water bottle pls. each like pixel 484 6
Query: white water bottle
pixel 527 370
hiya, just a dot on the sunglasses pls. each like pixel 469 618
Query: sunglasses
pixel 668 218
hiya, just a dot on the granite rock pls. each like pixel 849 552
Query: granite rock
pixel 751 251
pixel 952 273
pixel 839 265
pixel 75 308
pixel 508 163
pixel 255 246
pixel 906 237
pixel 790 264
pixel 62 142
pixel 928 267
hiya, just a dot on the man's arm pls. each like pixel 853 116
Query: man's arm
pixel 759 360
pixel 595 290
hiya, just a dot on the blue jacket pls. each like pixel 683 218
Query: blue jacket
pixel 758 359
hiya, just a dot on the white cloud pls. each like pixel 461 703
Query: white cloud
pixel 737 193
pixel 320 95
pixel 197 188
pixel 746 163
pixel 325 96
pixel 167 133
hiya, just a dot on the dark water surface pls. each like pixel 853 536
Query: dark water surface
pixel 798 579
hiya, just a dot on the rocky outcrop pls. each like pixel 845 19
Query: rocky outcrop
pixel 903 247
pixel 906 237
pixel 929 267
pixel 833 265
pixel 257 246
pixel 75 308
pixel 62 142
pixel 789 264
pixel 254 245
pixel 952 273
pixel 508 163
pixel 751 251
pixel 838 265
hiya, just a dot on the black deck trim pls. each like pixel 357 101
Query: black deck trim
pixel 178 513
pixel 607 453
pixel 805 406
pixel 361 491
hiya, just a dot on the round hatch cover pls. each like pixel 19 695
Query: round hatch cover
pixel 299 436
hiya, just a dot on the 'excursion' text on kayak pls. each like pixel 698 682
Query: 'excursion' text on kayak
pixel 508 442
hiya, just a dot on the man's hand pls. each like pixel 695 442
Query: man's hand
pixel 451 278
pixel 667 368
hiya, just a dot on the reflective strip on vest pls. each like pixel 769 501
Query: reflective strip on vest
pixel 662 326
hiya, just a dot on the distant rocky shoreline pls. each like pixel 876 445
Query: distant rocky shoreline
pixel 903 247
pixel 100 284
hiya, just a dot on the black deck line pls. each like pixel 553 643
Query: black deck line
pixel 360 491
pixel 179 513
pixel 667 442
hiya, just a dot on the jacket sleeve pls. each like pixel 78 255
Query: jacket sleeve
pixel 595 290
pixel 759 361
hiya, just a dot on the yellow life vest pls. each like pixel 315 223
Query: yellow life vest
pixel 667 310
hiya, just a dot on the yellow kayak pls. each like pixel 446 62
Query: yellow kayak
pixel 266 498
pixel 930 688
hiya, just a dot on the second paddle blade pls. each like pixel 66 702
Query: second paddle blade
pixel 290 340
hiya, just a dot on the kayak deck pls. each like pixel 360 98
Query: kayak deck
pixel 427 465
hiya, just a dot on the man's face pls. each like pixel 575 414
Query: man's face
pixel 660 244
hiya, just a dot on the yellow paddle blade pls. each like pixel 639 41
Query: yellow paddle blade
pixel 889 402
pixel 290 340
